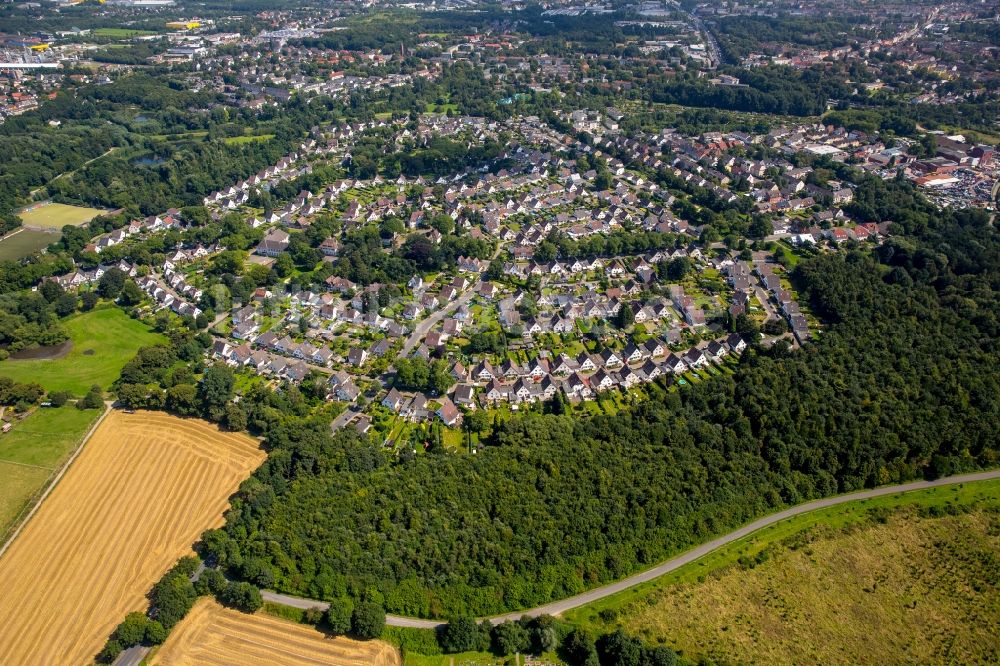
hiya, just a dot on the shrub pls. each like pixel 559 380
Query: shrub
pixel 174 594
pixel 258 571
pixel 155 632
pixel 368 620
pixel 93 400
pixel 132 629
pixel 110 652
pixel 459 635
pixel 242 596
pixel 312 615
pixel 338 616
pixel 211 581
pixel 58 398
pixel 509 638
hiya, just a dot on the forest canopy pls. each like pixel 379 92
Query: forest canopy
pixel 900 386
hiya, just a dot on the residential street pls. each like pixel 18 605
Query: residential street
pixel 425 326
pixel 343 418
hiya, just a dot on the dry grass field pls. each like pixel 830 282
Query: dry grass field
pixel 913 590
pixel 57 215
pixel 141 492
pixel 211 635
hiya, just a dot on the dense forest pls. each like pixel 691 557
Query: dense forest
pixel 739 36
pixel 902 384
pixel 780 90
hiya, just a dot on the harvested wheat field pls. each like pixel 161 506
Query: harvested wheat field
pixel 211 635
pixel 141 492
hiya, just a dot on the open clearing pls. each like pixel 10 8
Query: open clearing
pixel 248 138
pixel 57 215
pixel 31 453
pixel 103 342
pixel 212 635
pixel 24 242
pixel 20 483
pixel 851 586
pixel 121 32
pixel 141 492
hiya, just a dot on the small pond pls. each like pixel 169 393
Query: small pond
pixel 40 353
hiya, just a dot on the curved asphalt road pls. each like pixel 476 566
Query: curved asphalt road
pixel 557 607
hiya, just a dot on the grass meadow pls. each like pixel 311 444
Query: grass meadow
pixel 31 453
pixel 121 32
pixel 103 342
pixel 24 242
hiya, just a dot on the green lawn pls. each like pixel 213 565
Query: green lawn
pixel 103 342
pixel 453 437
pixel 195 134
pixel 441 108
pixel 19 485
pixel 57 215
pixel 47 436
pixel 32 451
pixel 908 577
pixel 249 138
pixel 121 32
pixel 25 242
pixel 460 659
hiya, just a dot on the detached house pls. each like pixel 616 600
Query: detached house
pixel 274 243
pixel 357 356
pixel 394 401
pixel 448 413
pixel 695 358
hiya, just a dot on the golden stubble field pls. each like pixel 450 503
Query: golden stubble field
pixel 141 492
pixel 212 635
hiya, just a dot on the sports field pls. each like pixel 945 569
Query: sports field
pixel 57 215
pixel 121 32
pixel 20 244
pixel 103 342
pixel 32 451
pixel 140 493
pixel 212 635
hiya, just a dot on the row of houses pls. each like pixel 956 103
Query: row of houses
pixel 788 306
pixel 83 277
pixel 260 361
pixel 238 194
pixel 165 298
pixel 170 220
pixel 582 377
pixel 418 407
pixel 303 351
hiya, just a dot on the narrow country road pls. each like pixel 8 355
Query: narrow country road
pixel 558 607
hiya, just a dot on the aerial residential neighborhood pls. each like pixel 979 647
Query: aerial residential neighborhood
pixel 462 333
